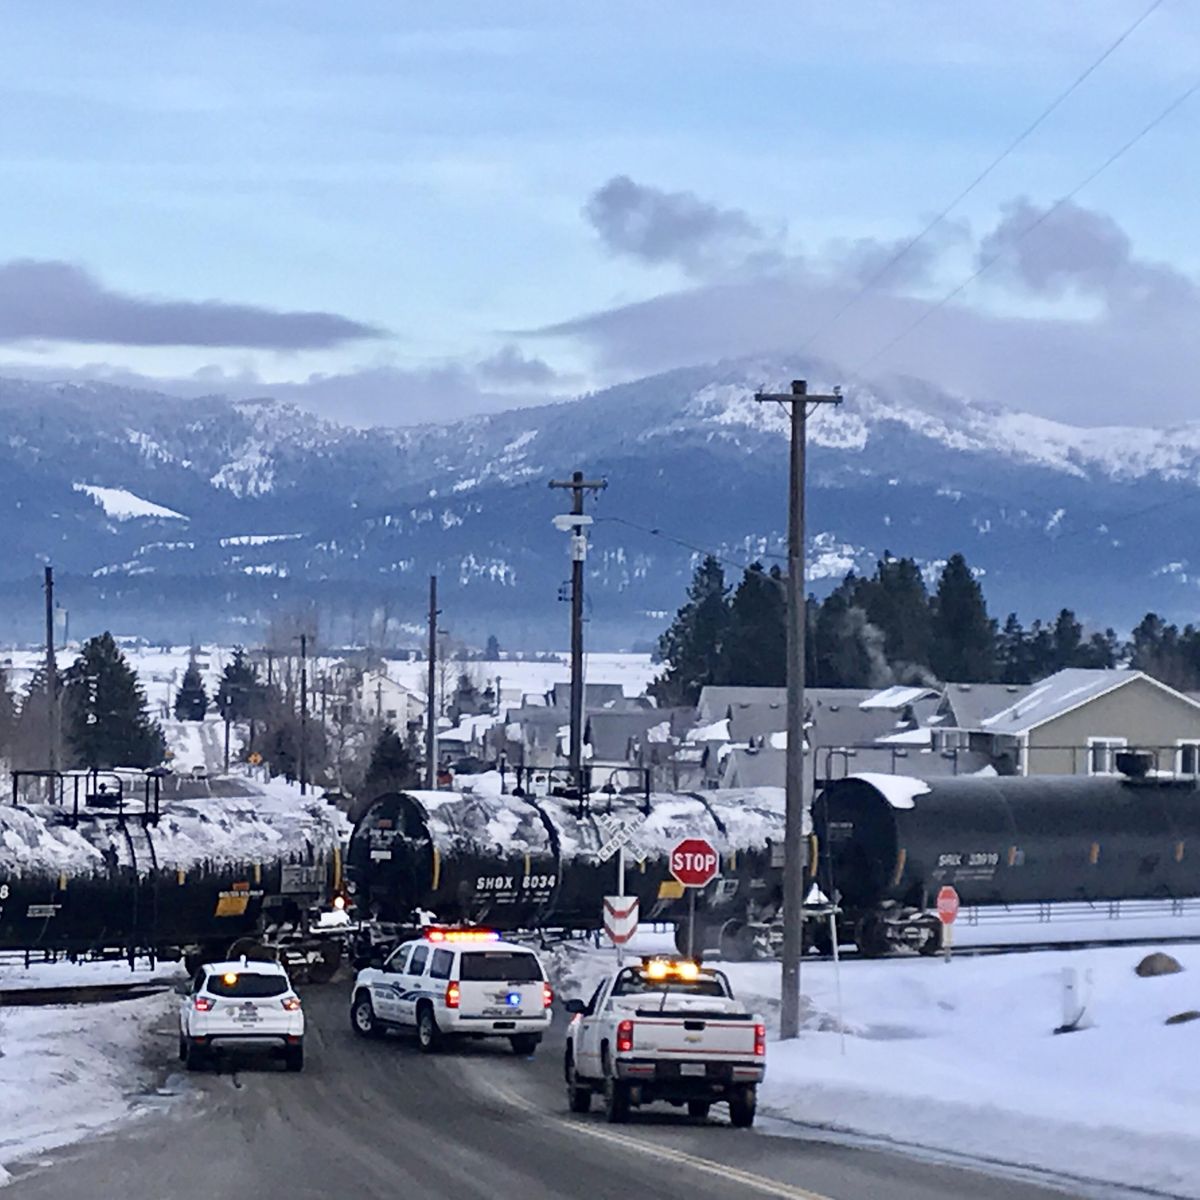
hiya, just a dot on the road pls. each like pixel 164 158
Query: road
pixel 378 1119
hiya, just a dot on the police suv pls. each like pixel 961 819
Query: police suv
pixel 455 982
pixel 238 1004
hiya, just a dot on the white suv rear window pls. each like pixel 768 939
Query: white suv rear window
pixel 496 965
pixel 248 985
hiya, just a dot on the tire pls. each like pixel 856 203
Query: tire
pixel 579 1097
pixel 616 1100
pixel 362 1017
pixel 742 1106
pixel 698 1109
pixel 737 941
pixel 195 1056
pixel 429 1036
pixel 524 1044
pixel 293 1057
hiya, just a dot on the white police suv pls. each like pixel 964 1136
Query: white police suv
pixel 243 1003
pixel 455 982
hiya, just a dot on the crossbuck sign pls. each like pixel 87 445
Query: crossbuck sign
pixel 617 833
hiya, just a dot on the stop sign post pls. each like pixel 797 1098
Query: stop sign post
pixel 947 911
pixel 694 864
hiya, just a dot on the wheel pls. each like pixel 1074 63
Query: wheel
pixel 931 944
pixel 870 936
pixel 293 1057
pixel 362 1017
pixel 195 1056
pixel 698 1108
pixel 742 1105
pixel 819 938
pixel 616 1100
pixel 251 949
pixel 737 941
pixel 429 1036
pixel 524 1044
pixel 579 1097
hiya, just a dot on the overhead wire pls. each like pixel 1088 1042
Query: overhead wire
pixel 869 284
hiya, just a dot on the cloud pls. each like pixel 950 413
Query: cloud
pixel 658 227
pixel 509 365
pixel 61 302
pixel 1079 250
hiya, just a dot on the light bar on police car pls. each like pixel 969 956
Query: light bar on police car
pixel 461 935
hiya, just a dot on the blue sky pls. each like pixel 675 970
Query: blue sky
pixel 417 177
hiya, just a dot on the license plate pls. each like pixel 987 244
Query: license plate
pixel 496 1012
pixel 692 1069
pixel 247 1015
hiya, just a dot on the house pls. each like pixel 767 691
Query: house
pixel 595 696
pixel 1076 721
pixel 378 697
pixel 715 701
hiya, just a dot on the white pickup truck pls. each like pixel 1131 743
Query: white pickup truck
pixel 669 1030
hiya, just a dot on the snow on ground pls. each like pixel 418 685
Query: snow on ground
pixel 960 1058
pixel 124 505
pixel 68 1072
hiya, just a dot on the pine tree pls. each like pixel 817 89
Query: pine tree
pixel 754 652
pixel 491 652
pixel 848 650
pixel 191 700
pixel 964 637
pixel 241 695
pixel 896 602
pixel 1068 640
pixel 691 647
pixel 392 768
pixel 105 721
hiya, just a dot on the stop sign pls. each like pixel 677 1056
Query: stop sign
pixel 694 862
pixel 947 905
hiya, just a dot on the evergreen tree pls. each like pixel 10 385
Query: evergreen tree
pixel 896 602
pixel 392 767
pixel 1012 650
pixel 105 721
pixel 241 695
pixel 491 651
pixel 191 700
pixel 754 653
pixel 692 646
pixel 848 651
pixel 964 637
pixel 1068 640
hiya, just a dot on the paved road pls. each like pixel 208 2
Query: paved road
pixel 378 1119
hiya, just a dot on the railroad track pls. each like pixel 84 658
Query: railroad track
pixel 89 993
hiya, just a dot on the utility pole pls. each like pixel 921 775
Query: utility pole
pixel 51 681
pixel 303 714
pixel 795 852
pixel 576 522
pixel 431 687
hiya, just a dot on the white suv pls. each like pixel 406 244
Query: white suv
pixel 454 982
pixel 240 1003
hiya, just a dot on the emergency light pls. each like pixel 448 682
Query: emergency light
pixel 461 935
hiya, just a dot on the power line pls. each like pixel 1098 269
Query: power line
pixel 1128 145
pixel 1029 129
pixel 724 560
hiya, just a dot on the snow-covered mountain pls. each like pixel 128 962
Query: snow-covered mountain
pixel 203 517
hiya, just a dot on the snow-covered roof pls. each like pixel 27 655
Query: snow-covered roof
pixel 897 697
pixel 900 791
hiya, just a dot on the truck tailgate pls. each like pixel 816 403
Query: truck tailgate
pixel 723 1037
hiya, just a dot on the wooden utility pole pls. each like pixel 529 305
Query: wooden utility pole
pixel 303 714
pixel 577 486
pixel 51 681
pixel 431 688
pixel 794 849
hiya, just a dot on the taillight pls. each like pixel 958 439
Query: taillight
pixel 203 1004
pixel 291 1003
pixel 624 1037
pixel 760 1041
pixel 452 995
pixel 547 995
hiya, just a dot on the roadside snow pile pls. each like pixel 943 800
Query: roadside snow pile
pixel 962 1058
pixel 68 1072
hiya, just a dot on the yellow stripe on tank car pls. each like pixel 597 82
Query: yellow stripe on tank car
pixel 258 872
pixel 437 869
pixel 62 882
pixel 526 864
pixel 337 868
pixel 1094 853
pixel 1179 851
pixel 814 851
pixel 901 861
pixel 180 876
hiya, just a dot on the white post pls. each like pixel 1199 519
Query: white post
pixel 620 892
pixel 837 979
pixel 948 940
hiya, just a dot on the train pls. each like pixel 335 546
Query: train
pixel 209 876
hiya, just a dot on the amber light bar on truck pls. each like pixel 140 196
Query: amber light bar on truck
pixel 663 968
pixel 461 935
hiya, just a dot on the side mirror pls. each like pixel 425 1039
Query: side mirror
pixel 578 1007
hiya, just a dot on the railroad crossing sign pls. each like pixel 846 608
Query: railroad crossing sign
pixel 620 918
pixel 694 862
pixel 617 833
pixel 947 905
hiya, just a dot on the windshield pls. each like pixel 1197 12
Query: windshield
pixel 495 965
pixel 247 985
pixel 631 983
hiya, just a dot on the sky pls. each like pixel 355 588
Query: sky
pixel 394 213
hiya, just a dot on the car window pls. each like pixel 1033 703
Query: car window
pixel 511 966
pixel 398 959
pixel 417 965
pixel 443 960
pixel 591 1004
pixel 632 983
pixel 197 981
pixel 247 985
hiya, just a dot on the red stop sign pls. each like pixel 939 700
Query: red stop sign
pixel 947 905
pixel 694 862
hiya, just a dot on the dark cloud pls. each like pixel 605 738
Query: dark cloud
pixel 60 302
pixel 1076 249
pixel 891 265
pixel 658 227
pixel 509 365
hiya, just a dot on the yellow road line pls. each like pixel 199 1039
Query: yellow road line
pixel 759 1183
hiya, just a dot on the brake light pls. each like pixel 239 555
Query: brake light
pixel 291 1003
pixel 760 1041
pixel 203 1004
pixel 452 994
pixel 547 995
pixel 624 1037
